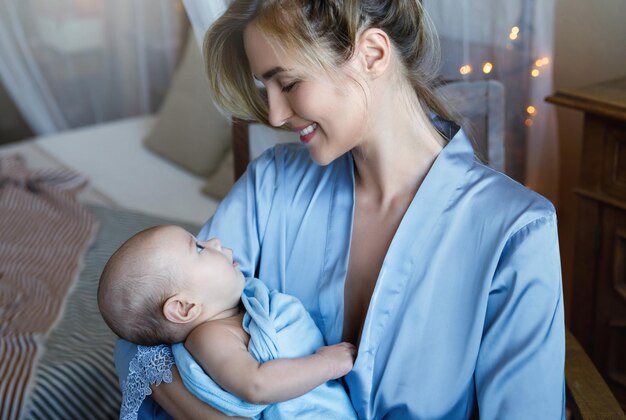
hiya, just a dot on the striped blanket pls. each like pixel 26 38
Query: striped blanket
pixel 68 372
pixel 44 232
pixel 75 378
pixel 59 369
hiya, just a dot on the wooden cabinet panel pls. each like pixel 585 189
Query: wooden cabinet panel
pixel 585 268
pixel 598 312
pixel 614 179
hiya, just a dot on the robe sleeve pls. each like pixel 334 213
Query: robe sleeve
pixel 520 366
pixel 240 220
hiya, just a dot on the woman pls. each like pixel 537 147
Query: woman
pixel 443 272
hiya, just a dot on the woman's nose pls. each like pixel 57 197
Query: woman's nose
pixel 279 109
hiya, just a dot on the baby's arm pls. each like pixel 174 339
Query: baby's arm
pixel 225 358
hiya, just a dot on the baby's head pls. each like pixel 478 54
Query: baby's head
pixel 163 282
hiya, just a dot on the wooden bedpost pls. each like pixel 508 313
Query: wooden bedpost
pixel 241 146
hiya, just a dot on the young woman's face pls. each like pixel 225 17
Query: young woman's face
pixel 330 118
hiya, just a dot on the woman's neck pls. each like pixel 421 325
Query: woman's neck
pixel 393 161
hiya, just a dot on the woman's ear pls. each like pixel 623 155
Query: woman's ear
pixel 180 310
pixel 374 49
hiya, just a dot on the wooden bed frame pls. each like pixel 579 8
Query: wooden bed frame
pixel 241 146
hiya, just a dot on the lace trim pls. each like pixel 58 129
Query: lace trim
pixel 151 365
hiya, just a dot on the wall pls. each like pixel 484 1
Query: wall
pixel 590 46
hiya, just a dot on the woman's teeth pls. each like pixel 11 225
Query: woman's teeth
pixel 308 130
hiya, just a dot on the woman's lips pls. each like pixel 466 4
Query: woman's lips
pixel 307 133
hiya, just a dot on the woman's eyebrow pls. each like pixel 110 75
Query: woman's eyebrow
pixel 271 73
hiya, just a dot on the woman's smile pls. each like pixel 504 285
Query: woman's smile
pixel 307 133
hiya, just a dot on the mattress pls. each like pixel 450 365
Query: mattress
pixel 122 172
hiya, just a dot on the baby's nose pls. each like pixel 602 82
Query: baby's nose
pixel 214 243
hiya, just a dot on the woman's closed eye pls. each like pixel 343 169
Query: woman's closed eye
pixel 289 87
pixel 199 247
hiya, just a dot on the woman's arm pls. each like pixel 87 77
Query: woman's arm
pixel 520 367
pixel 179 403
pixel 226 359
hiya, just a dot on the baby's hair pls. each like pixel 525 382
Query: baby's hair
pixel 322 35
pixel 131 295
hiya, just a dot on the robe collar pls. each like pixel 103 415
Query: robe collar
pixel 443 178
pixel 405 253
pixel 430 201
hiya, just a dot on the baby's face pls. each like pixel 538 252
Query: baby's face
pixel 208 271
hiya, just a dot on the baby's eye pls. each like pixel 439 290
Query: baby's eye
pixel 199 247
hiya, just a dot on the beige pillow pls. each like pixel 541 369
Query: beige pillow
pixel 190 131
pixel 220 182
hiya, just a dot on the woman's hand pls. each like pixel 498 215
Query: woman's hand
pixel 340 358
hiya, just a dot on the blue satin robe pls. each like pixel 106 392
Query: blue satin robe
pixel 467 313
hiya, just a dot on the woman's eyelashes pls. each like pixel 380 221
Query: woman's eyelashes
pixel 288 87
pixel 199 248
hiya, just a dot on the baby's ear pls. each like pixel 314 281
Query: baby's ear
pixel 179 310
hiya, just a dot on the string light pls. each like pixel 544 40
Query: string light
pixel 487 67
pixel 512 36
pixel 534 73
pixel 528 122
pixel 515 30
pixel 542 61
pixel 465 69
pixel 531 110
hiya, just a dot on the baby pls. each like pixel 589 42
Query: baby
pixel 164 286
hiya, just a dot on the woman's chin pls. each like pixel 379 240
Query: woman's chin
pixel 321 158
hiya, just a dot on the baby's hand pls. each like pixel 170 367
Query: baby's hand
pixel 340 358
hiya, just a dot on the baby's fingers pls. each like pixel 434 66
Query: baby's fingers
pixel 351 348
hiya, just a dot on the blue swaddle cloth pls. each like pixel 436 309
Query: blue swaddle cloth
pixel 279 327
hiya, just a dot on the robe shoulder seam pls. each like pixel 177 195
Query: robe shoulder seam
pixel 543 219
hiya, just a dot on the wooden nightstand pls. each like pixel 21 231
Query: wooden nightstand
pixel 598 305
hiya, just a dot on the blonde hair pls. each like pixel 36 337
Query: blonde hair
pixel 322 35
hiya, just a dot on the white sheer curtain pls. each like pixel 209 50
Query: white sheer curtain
pixel 202 13
pixel 69 63
pixel 510 41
